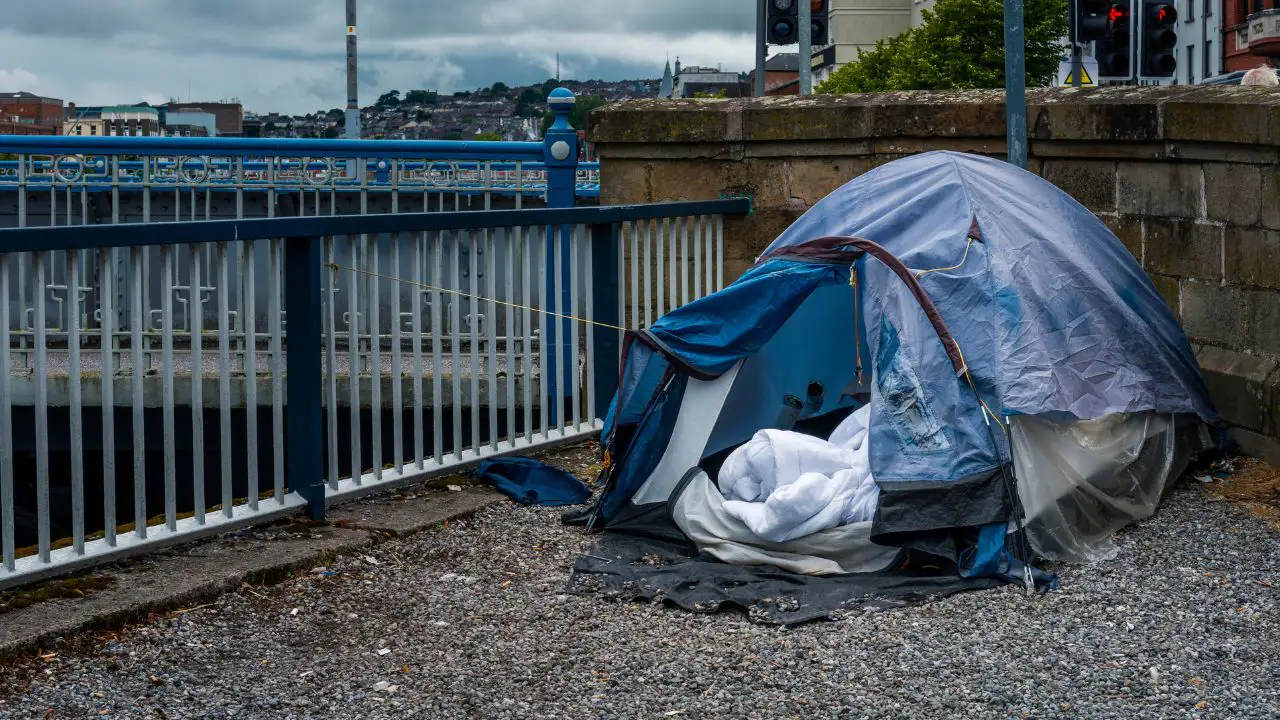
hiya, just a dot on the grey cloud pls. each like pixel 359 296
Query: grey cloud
pixel 288 54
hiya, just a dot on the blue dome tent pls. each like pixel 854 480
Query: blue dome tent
pixel 1029 391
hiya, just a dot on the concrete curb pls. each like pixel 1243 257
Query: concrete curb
pixel 199 573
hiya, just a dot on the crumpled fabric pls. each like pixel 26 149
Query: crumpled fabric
pixel 531 482
pixel 785 485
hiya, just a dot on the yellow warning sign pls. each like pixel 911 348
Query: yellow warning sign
pixel 1084 74
pixel 351 29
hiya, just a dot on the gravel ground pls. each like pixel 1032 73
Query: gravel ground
pixel 470 622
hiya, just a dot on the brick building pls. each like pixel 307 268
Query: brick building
pixel 9 127
pixel 229 117
pixel 1250 34
pixel 26 108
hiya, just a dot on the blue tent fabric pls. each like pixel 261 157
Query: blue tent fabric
pixel 1051 313
pixel 531 482
pixel 1063 320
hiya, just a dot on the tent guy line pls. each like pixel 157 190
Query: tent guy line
pixel 425 286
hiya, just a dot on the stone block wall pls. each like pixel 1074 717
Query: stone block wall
pixel 1187 177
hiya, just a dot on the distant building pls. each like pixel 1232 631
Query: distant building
pixel 229 116
pixel 779 70
pixel 1250 34
pixel 856 25
pixel 1200 42
pixel 692 80
pixel 206 120
pixel 9 125
pixel 667 85
pixel 115 121
pixel 252 126
pixel 184 130
pixel 26 108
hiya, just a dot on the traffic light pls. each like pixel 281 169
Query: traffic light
pixel 1157 40
pixel 1114 52
pixel 1089 22
pixel 820 20
pixel 782 22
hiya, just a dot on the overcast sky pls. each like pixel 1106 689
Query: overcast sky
pixel 288 55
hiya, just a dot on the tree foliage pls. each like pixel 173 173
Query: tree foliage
pixel 959 45
pixel 487 136
pixel 389 98
pixel 421 97
pixel 578 115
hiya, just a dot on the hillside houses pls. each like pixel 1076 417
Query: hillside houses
pixel 496 113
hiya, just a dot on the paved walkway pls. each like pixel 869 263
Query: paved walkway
pixel 469 621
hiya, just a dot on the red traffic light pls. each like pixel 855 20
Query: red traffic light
pixel 1116 13
pixel 1162 15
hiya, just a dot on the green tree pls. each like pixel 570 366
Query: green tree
pixel 487 136
pixel 530 96
pixel 721 93
pixel 499 88
pixel 421 97
pixel 578 115
pixel 959 45
pixel 389 98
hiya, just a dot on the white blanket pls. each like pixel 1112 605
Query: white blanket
pixel 784 485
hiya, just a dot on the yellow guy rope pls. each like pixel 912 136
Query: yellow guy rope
pixel 459 293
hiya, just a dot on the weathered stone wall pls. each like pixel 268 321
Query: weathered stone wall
pixel 1187 177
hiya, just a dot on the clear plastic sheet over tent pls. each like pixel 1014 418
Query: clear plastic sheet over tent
pixel 1081 481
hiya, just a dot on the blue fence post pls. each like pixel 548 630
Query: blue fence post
pixel 304 436
pixel 606 285
pixel 560 154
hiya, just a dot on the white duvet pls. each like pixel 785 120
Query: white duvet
pixel 785 485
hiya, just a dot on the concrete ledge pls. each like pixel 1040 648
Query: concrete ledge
pixel 195 574
pixel 400 518
pixel 1240 386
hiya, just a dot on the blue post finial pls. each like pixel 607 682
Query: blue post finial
pixel 561 101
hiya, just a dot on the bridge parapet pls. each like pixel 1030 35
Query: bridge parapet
pixel 1187 177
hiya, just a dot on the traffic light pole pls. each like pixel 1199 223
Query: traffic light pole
pixel 1077 66
pixel 761 47
pixel 806 47
pixel 1015 83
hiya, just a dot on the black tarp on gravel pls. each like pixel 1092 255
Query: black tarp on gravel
pixel 629 567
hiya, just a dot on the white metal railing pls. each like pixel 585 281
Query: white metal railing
pixel 129 422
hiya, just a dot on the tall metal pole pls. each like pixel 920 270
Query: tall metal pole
pixel 806 47
pixel 761 45
pixel 1015 83
pixel 353 89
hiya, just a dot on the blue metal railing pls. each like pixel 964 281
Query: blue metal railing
pixel 503 350
pixel 79 166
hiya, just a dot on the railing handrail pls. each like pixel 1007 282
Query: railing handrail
pixel 86 237
pixel 280 147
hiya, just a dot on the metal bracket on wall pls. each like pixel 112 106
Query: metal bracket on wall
pixel 746 196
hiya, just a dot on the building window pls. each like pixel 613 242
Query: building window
pixel 1206 65
pixel 1207 10
pixel 1191 68
pixel 1189 10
